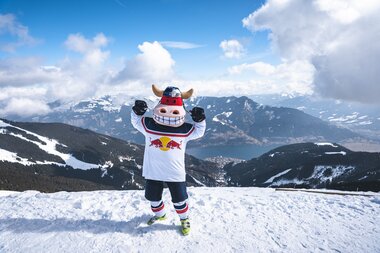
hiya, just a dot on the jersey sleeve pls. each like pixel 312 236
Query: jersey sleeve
pixel 137 122
pixel 199 130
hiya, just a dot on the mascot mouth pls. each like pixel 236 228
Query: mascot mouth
pixel 169 121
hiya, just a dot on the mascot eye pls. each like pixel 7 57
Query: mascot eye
pixel 162 110
pixel 175 112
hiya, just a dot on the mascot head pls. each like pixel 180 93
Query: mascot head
pixel 170 110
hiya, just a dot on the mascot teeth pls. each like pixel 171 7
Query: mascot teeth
pixel 170 110
pixel 172 121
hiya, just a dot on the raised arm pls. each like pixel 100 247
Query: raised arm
pixel 138 110
pixel 198 115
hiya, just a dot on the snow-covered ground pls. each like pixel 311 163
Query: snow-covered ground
pixel 223 220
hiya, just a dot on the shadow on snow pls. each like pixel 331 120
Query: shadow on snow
pixel 135 226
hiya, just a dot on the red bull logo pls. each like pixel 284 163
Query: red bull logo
pixel 165 143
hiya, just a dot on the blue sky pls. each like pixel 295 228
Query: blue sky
pixel 130 23
pixel 71 50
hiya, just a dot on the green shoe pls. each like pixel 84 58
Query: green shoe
pixel 185 224
pixel 156 218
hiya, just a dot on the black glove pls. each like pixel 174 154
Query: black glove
pixel 198 114
pixel 140 107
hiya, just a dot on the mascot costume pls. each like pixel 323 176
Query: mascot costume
pixel 166 136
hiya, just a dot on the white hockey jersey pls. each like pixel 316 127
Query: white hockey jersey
pixel 164 156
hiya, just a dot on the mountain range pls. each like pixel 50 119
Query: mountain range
pixel 232 122
pixel 56 156
pixel 358 117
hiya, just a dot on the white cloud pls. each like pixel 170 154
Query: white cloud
pixel 23 72
pixel 78 43
pixel 232 48
pixel 153 64
pixel 260 68
pixel 339 38
pixel 289 77
pixel 70 79
pixel 91 49
pixel 233 87
pixel 20 33
pixel 34 92
pixel 179 44
pixel 25 107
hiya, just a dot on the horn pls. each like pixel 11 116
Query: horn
pixel 157 91
pixel 187 94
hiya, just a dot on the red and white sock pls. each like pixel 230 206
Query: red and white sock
pixel 158 208
pixel 182 209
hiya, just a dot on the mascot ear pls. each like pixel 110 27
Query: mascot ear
pixel 187 94
pixel 157 91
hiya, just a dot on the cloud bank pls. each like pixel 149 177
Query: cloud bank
pixel 339 38
pixel 27 81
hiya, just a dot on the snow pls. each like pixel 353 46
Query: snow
pixel 222 220
pixel 197 181
pixel 351 119
pixel 227 114
pixel 49 147
pixel 294 181
pixel 301 108
pixel 275 153
pixel 129 158
pixel 325 144
pixel 104 168
pixel 12 157
pixel 368 122
pixel 270 180
pixel 336 153
pixel 215 119
pixel 3 124
pixel 270 114
pixel 328 173
pixel 106 104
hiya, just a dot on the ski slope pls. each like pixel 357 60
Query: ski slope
pixel 45 144
pixel 223 220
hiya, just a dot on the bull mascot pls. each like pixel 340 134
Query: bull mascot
pixel 166 136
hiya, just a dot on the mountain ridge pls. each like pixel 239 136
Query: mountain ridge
pixel 61 151
pixel 309 165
